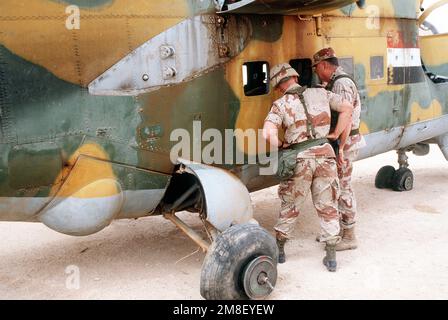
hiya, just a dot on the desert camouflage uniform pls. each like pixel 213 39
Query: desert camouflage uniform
pixel 316 168
pixel 346 88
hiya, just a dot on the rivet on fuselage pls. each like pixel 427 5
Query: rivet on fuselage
pixel 224 51
pixel 166 52
pixel 168 72
pixel 145 77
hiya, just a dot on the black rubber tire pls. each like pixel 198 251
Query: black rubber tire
pixel 361 3
pixel 403 180
pixel 384 177
pixel 227 257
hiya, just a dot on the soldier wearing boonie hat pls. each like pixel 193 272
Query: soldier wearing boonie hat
pixel 322 55
pixel 305 115
pixel 327 68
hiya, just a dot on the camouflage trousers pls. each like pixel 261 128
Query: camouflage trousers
pixel 318 175
pixel 347 200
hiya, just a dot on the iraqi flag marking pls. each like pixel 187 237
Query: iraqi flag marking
pixel 403 60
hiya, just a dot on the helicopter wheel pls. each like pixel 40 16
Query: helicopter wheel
pixel 403 180
pixel 240 264
pixel 384 177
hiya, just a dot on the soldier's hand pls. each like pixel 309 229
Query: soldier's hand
pixel 332 136
pixel 340 158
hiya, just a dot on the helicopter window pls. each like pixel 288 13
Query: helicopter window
pixel 255 78
pixel 376 67
pixel 305 70
pixel 347 65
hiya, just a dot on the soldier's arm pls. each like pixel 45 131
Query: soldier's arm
pixel 345 90
pixel 342 142
pixel 270 133
pixel 344 124
pixel 343 128
pixel 272 122
pixel 344 136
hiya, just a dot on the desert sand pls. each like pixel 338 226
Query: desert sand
pixel 402 254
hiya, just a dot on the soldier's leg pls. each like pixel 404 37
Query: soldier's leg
pixel 325 191
pixel 347 200
pixel 347 204
pixel 292 194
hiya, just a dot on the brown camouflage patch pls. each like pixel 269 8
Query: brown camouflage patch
pixel 290 214
pixel 283 72
pixel 328 214
pixel 327 170
pixel 300 171
pixel 300 123
pixel 275 109
pixel 322 119
pixel 335 191
pixel 303 136
pixel 320 152
pixel 290 113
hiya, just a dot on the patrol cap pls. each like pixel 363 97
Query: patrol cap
pixel 322 55
pixel 280 72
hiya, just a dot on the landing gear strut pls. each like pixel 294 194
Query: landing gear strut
pixel 241 262
pixel 241 259
pixel 398 180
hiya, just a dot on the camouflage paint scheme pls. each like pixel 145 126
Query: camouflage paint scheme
pixel 60 142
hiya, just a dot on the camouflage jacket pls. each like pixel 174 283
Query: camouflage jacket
pixel 347 89
pixel 289 113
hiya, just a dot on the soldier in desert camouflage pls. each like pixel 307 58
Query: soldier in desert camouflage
pixel 305 116
pixel 327 68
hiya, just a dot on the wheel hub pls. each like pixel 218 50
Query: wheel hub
pixel 408 183
pixel 260 277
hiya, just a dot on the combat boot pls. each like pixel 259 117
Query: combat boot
pixel 330 259
pixel 281 250
pixel 348 240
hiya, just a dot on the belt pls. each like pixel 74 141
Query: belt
pixel 307 144
pixel 354 132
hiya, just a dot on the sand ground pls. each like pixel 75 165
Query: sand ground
pixel 403 249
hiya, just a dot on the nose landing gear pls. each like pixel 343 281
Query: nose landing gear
pixel 397 180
